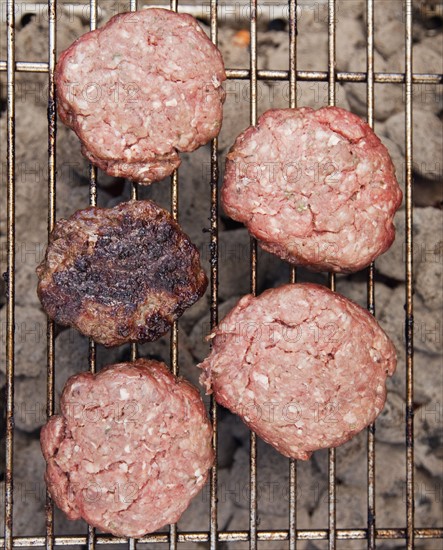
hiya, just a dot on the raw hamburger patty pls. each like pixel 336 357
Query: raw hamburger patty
pixel 122 274
pixel 140 89
pixel 130 449
pixel 304 368
pixel 316 188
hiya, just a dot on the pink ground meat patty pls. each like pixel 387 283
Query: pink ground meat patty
pixel 304 368
pixel 140 89
pixel 130 449
pixel 316 188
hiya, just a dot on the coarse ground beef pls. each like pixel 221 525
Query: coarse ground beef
pixel 131 448
pixel 304 367
pixel 316 188
pixel 145 86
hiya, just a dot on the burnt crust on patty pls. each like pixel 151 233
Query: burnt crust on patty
pixel 120 275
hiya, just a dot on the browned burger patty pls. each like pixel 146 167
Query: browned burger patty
pixel 130 449
pixel 139 90
pixel 122 274
pixel 304 368
pixel 316 188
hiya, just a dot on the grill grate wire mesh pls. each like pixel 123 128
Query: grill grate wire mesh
pixel 175 538
pixel 331 452
pixel 293 271
pixel 10 314
pixel 409 315
pixel 370 288
pixel 52 129
pixel 214 256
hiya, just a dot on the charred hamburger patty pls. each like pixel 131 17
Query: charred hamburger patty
pixel 122 274
pixel 138 90
pixel 316 188
pixel 304 368
pixel 130 449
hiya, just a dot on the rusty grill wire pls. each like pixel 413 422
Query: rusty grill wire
pixel 369 532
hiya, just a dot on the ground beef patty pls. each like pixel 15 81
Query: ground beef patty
pixel 316 188
pixel 304 368
pixel 130 449
pixel 140 89
pixel 122 274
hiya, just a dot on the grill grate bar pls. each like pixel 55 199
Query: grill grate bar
pixel 174 340
pixel 370 277
pixel 92 359
pixel 370 69
pixel 10 305
pixel 293 272
pixel 92 172
pixel 292 504
pixel 52 130
pixel 269 74
pixel 331 101
pixel 132 543
pixel 213 408
pixel 236 536
pixel 331 52
pixel 174 329
pixel 292 54
pixel 343 76
pixel 409 317
pixel 254 268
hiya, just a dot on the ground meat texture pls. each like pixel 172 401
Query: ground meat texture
pixel 303 367
pixel 120 275
pixel 316 188
pixel 131 448
pixel 138 90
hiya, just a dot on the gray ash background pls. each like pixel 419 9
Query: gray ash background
pixel 194 175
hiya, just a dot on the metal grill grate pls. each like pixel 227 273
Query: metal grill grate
pixel 289 537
